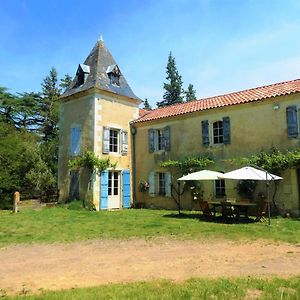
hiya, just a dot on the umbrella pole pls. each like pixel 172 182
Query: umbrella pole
pixel 268 197
pixel 178 183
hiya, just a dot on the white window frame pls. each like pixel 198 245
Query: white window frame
pixel 111 145
pixel 218 136
pixel 161 183
pixel 159 140
pixel 111 183
pixel 220 188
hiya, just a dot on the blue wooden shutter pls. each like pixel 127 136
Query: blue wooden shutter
pixel 292 121
pixel 151 134
pixel 226 130
pixel 105 140
pixel 152 184
pixel 205 133
pixel 75 140
pixel 168 182
pixel 167 138
pixel 104 190
pixel 126 188
pixel 124 142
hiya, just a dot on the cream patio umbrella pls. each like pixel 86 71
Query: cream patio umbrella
pixel 251 173
pixel 201 175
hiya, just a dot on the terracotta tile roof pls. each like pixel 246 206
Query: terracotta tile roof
pixel 143 112
pixel 250 95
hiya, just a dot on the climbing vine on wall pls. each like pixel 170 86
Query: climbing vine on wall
pixel 274 160
pixel 188 164
pixel 90 161
pixel 183 166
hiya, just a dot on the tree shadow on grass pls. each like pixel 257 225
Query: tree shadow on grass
pixel 217 219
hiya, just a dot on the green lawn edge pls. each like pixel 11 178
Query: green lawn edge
pixel 224 288
pixel 61 225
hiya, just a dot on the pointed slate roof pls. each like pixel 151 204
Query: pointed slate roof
pixel 96 68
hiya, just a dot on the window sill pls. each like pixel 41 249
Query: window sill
pixel 217 145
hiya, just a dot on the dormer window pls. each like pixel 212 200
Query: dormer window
pixel 82 74
pixel 114 73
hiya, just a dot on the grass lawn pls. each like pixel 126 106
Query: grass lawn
pixel 59 224
pixel 241 288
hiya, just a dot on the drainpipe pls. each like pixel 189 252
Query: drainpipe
pixel 133 130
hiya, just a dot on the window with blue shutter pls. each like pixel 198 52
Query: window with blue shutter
pixel 124 142
pixel 126 188
pixel 292 121
pixel 75 141
pixel 104 190
pixel 105 140
pixel 167 138
pixel 168 179
pixel 151 140
pixel 152 184
pixel 226 130
pixel 205 133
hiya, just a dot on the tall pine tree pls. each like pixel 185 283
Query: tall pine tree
pixel 50 105
pixel 147 105
pixel 173 88
pixel 65 82
pixel 190 93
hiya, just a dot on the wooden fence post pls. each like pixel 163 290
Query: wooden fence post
pixel 16 202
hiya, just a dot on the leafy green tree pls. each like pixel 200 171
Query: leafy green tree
pixel 190 93
pixel 173 88
pixel 7 103
pixel 21 110
pixel 29 140
pixel 147 105
pixel 15 161
pixel 40 178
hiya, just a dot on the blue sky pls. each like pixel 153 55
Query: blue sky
pixel 219 45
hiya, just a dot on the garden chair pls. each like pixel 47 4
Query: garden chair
pixel 262 211
pixel 204 207
pixel 227 210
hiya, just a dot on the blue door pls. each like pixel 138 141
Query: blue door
pixel 126 188
pixel 104 190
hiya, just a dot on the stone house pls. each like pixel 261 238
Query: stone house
pixel 100 113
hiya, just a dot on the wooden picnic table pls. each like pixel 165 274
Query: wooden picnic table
pixel 238 208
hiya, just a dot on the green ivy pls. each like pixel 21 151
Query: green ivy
pixel 275 160
pixel 188 164
pixel 90 161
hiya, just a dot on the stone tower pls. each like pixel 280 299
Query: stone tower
pixel 95 114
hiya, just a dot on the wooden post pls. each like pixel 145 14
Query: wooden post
pixel 16 202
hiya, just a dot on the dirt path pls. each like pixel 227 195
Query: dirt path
pixel 92 263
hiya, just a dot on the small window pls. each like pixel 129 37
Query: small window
pixel 113 140
pixel 114 79
pixel 220 188
pixel 160 139
pixel 114 74
pixel 218 132
pixel 161 184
